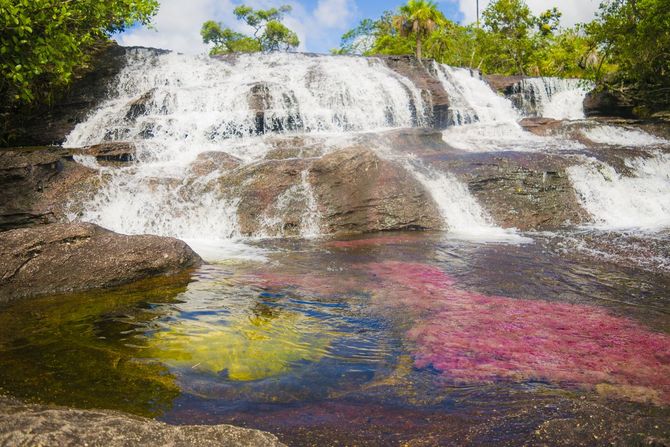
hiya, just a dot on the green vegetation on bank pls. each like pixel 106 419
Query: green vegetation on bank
pixel 43 43
pixel 626 49
pixel 269 33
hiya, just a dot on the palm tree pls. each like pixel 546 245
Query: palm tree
pixel 418 18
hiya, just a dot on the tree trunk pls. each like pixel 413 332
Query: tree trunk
pixel 418 47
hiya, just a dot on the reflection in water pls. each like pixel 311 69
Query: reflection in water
pixel 383 340
pixel 83 350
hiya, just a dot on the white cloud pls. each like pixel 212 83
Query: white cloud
pixel 335 13
pixel 574 11
pixel 177 26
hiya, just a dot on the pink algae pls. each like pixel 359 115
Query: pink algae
pixel 471 337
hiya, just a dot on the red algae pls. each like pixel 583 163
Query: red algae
pixel 473 338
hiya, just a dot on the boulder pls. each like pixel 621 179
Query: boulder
pixel 44 425
pixel 40 185
pixel 541 126
pixel 359 192
pixel 113 152
pixel 606 103
pixel 64 258
pixel 504 84
pixel 528 191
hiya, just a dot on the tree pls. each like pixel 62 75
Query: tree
pixel 44 42
pixel 634 37
pixel 269 33
pixel 418 18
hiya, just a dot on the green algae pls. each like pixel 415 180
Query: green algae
pixel 63 349
pixel 247 346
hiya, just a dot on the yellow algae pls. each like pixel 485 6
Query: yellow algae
pixel 246 347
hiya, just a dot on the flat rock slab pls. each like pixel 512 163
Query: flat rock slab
pixel 41 425
pixel 64 258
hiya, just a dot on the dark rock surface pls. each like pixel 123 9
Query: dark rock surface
pixel 63 258
pixel 504 84
pixel 38 183
pixel 528 191
pixel 50 125
pixel 109 152
pixel 357 192
pixel 605 103
pixel 42 425
pixel 433 93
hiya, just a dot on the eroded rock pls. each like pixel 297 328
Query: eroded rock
pixel 63 258
pixel 43 425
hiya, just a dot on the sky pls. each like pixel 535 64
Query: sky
pixel 318 23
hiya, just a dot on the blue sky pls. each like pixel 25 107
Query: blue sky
pixel 319 23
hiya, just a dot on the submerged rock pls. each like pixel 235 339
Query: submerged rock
pixel 63 258
pixel 27 424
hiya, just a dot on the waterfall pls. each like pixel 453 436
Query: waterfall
pixel 639 200
pixel 174 107
pixel 555 98
pixel 464 216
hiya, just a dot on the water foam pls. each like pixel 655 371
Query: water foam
pixel 555 98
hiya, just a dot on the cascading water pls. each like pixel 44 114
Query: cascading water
pixel 555 98
pixel 481 119
pixel 640 200
pixel 174 107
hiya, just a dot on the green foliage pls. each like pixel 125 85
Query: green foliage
pixel 44 42
pixel 634 36
pixel 511 41
pixel 270 34
pixel 418 19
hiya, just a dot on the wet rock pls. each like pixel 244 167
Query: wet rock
pixel 140 106
pixel 261 101
pixel 40 185
pixel 541 126
pixel 113 151
pixel 359 192
pixel 433 93
pixel 208 162
pixel 606 103
pixel 284 147
pixel 504 84
pixel 63 258
pixel 528 191
pixel 271 200
pixel 43 425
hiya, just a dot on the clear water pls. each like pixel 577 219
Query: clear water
pixel 378 340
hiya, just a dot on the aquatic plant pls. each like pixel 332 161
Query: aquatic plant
pixel 472 337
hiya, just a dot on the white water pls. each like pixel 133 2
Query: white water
pixel 555 98
pixel 621 136
pixel 485 121
pixel 464 216
pixel 620 202
pixel 195 104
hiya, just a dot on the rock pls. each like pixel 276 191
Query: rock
pixel 433 93
pixel 359 192
pixel 43 425
pixel 271 200
pixel 112 151
pixel 261 101
pixel 606 103
pixel 504 84
pixel 208 162
pixel 63 258
pixel 528 191
pixel 140 106
pixel 541 126
pixel 40 185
